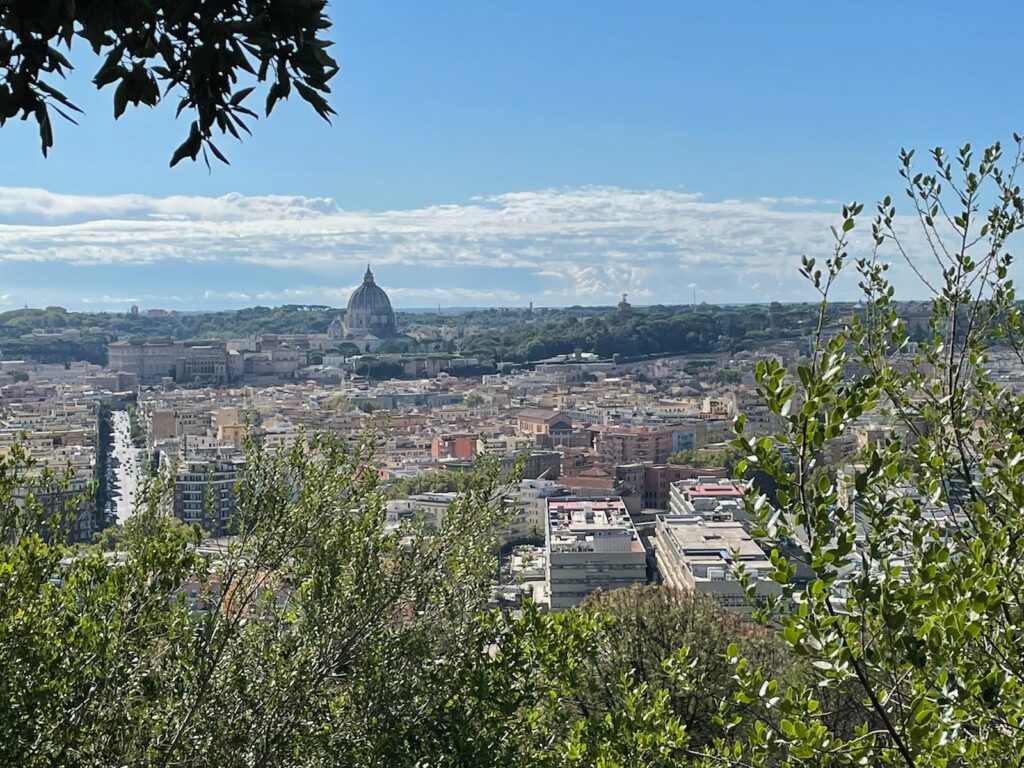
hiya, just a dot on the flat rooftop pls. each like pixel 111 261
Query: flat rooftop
pixel 717 490
pixel 600 524
pixel 702 544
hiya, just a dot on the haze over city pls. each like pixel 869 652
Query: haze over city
pixel 494 155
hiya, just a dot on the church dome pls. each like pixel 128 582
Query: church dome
pixel 369 310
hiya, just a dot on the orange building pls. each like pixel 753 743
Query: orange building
pixel 457 446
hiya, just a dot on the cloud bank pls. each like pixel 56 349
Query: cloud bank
pixel 552 246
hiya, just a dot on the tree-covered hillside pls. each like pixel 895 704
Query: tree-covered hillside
pixel 654 330
pixel 290 318
pixel 491 334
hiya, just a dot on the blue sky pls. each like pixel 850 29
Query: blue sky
pixel 497 153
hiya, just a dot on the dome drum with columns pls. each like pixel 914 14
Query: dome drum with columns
pixel 369 319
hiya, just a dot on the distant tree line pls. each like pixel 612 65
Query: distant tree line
pixel 491 334
pixel 660 330
pixel 438 481
pixel 177 325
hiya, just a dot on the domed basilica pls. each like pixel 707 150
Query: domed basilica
pixel 369 319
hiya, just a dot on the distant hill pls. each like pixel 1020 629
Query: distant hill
pixel 504 333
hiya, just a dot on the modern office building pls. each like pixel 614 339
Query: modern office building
pixel 591 544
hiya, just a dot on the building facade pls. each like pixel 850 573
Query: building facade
pixel 151 360
pixel 699 557
pixel 590 544
pixel 204 491
pixel 635 445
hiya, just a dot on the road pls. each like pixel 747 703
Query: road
pixel 127 466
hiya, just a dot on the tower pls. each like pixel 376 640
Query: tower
pixel 624 307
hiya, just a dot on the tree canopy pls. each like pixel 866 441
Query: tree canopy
pixel 656 331
pixel 206 55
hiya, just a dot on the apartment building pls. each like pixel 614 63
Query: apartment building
pixel 528 503
pixel 67 502
pixel 659 478
pixel 616 445
pixel 590 544
pixel 204 489
pixel 454 446
pixel 546 465
pixel 699 556
pixel 712 498
pixel 429 508
pixel 62 437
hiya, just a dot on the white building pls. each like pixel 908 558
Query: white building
pixel 427 507
pixel 698 557
pixel 591 544
pixel 529 502
pixel 711 498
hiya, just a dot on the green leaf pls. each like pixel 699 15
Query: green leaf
pixel 239 96
pixel 217 153
pixel 188 148
pixel 273 94
pixel 121 98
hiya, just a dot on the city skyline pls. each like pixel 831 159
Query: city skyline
pixel 726 470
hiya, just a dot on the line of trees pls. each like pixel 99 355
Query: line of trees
pixel 176 325
pixel 656 331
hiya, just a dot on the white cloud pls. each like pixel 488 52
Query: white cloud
pixel 31 203
pixel 105 299
pixel 232 295
pixel 400 296
pixel 796 200
pixel 569 245
pixel 481 296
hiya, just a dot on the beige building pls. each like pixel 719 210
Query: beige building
pixel 162 425
pixel 635 445
pixel 537 421
pixel 528 502
pixel 429 508
pixel 149 359
pixel 697 556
